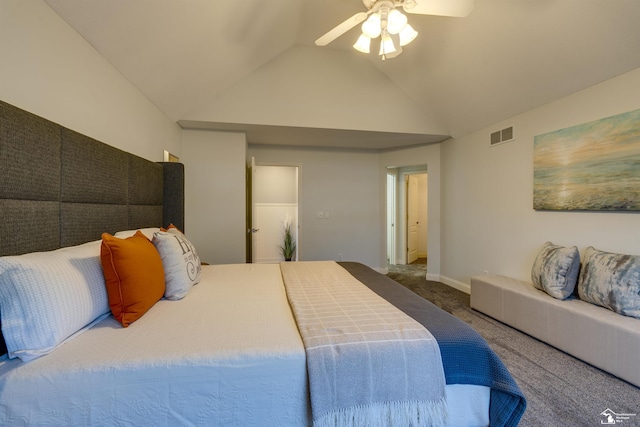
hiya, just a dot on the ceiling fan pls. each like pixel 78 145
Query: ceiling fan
pixel 383 19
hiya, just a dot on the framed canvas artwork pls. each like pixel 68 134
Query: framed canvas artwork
pixel 594 166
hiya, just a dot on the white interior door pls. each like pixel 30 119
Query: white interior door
pixel 412 219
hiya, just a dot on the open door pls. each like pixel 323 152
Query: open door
pixel 412 219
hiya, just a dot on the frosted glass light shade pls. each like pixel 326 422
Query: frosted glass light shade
pixel 407 35
pixel 371 27
pixel 386 45
pixel 396 21
pixel 363 44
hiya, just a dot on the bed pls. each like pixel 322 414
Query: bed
pixel 228 351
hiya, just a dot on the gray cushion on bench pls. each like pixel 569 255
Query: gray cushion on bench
pixel 611 281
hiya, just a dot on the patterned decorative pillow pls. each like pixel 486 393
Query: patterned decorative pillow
pixel 556 270
pixel 47 297
pixel 612 281
pixel 180 262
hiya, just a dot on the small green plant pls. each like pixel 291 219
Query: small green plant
pixel 289 247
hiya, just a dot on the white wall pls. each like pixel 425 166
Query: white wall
pixel 48 69
pixel 488 221
pixel 345 184
pixel 348 93
pixel 215 182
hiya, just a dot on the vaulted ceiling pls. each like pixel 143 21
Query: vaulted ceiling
pixel 252 65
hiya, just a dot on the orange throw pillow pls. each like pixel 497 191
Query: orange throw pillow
pixel 170 227
pixel 133 274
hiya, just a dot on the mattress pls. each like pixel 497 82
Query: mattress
pixel 229 353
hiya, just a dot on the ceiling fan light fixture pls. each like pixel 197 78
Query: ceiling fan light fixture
pixel 396 21
pixel 407 35
pixel 371 27
pixel 388 23
pixel 385 18
pixel 363 44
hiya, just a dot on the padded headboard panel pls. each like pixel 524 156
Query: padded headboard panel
pixel 60 188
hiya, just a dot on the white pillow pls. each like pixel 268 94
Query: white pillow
pixel 128 233
pixel 46 297
pixel 180 262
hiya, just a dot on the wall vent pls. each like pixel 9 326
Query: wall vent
pixel 500 136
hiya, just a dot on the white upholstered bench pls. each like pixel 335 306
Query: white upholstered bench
pixel 594 334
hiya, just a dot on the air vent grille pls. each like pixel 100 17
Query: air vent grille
pixel 500 136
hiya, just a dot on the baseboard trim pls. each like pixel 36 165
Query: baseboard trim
pixel 453 283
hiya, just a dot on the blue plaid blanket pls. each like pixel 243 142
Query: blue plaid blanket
pixel 466 356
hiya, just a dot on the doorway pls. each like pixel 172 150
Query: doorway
pixel 272 205
pixel 407 215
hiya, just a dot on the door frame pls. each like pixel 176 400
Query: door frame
pixel 392 187
pixel 249 206
pixel 249 211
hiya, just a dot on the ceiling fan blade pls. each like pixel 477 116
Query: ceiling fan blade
pixel 341 28
pixel 456 8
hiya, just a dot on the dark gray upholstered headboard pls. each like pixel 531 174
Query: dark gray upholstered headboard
pixel 59 188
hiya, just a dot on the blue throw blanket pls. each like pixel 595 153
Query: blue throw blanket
pixel 466 356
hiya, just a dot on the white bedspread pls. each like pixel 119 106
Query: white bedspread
pixel 227 354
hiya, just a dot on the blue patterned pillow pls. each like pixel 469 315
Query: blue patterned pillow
pixel 556 270
pixel 612 281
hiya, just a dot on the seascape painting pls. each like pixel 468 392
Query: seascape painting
pixel 594 166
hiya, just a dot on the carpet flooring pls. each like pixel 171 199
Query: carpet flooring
pixel 560 389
